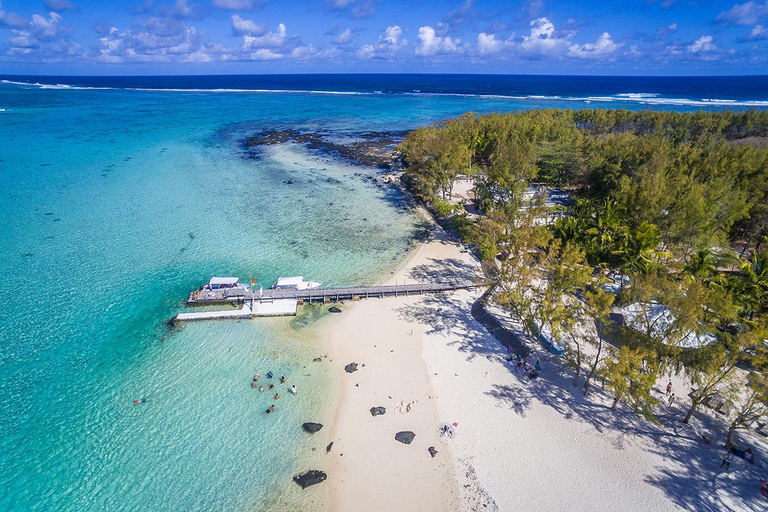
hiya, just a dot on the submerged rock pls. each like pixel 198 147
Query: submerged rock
pixel 328 448
pixel 378 411
pixel 432 451
pixel 351 368
pixel 311 477
pixel 316 360
pixel 311 427
pixel 405 437
pixel 334 309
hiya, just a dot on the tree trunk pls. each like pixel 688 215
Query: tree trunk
pixel 594 364
pixel 578 361
pixel 694 404
pixel 729 439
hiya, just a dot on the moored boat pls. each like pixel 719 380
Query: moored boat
pixel 295 283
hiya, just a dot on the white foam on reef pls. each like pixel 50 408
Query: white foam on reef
pixel 279 91
pixel 56 86
pixel 642 98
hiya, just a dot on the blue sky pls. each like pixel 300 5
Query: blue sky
pixel 632 37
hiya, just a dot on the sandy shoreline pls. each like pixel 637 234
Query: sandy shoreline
pixel 519 443
pixel 369 469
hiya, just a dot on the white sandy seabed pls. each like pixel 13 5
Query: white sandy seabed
pixel 518 444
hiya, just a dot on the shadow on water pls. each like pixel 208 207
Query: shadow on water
pixel 691 478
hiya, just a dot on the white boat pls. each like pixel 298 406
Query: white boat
pixel 220 283
pixel 295 283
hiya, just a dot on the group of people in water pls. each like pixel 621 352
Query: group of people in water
pixel 270 375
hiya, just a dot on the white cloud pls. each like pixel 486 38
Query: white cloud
pixel 59 5
pixel 265 54
pixel 181 9
pixel 343 38
pixel 749 13
pixel 37 31
pixel 359 8
pixel 702 44
pixel 487 44
pixel 270 40
pixel 11 19
pixel 432 44
pixel 391 35
pixel 543 41
pixel 243 26
pixel 337 5
pixel 758 32
pixel 603 47
pixel 234 5
pixel 386 47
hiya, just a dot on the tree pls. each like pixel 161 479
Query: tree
pixel 630 379
pixel 597 308
pixel 711 365
pixel 565 271
pixel 749 406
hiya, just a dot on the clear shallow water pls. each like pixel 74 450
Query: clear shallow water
pixel 116 203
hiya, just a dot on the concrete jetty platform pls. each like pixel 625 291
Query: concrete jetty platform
pixel 284 307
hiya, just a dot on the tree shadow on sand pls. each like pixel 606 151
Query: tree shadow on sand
pixel 690 478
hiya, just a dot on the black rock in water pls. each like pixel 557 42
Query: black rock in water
pixel 432 451
pixel 328 448
pixel 311 477
pixel 334 309
pixel 378 411
pixel 316 360
pixel 312 427
pixel 350 368
pixel 405 437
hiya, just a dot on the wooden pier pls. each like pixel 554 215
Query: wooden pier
pixel 274 302
pixel 245 294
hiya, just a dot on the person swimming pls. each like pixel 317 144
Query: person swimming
pixel 142 401
pixel 269 375
pixel 293 389
pixel 271 386
pixel 271 409
pixel 282 379
pixel 256 377
pixel 277 395
pixel 261 388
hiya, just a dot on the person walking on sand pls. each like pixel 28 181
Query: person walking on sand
pixel 671 400
pixel 727 459
pixel 669 389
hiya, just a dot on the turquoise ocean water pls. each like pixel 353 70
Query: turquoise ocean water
pixel 116 202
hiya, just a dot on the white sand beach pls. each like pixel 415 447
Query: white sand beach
pixel 518 443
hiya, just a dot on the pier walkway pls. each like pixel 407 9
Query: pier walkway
pixel 245 294
pixel 274 302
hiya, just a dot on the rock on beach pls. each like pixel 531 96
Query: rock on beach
pixel 405 437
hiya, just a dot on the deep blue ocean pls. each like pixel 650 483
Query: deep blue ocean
pixel 122 194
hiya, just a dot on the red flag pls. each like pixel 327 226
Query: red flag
pixel 253 283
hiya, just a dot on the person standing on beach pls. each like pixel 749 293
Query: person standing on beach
pixel 669 389
pixel 727 459
pixel 671 400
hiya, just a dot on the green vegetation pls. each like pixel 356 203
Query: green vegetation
pixel 674 204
